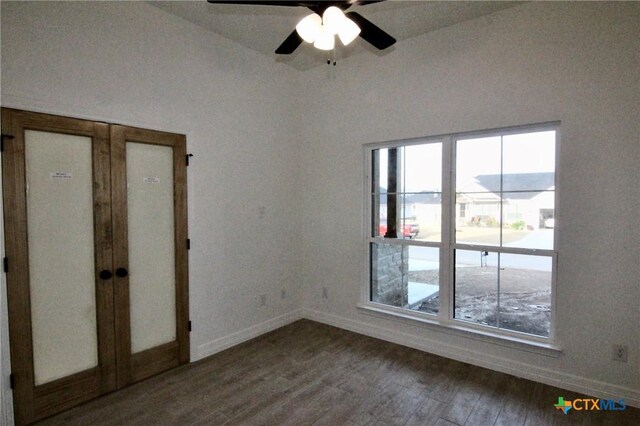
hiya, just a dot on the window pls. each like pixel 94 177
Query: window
pixel 462 229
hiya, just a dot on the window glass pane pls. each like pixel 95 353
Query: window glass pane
pixel 380 172
pixel 386 181
pixel 528 161
pixel 422 213
pixel 478 218
pixel 525 293
pixel 406 276
pixel 409 228
pixel 419 219
pixel 476 287
pixel 478 165
pixel 424 279
pixel 416 201
pixel 542 181
pixel 378 215
pixel 384 206
pixel 422 168
pixel 528 219
pixel 389 279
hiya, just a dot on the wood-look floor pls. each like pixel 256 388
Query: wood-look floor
pixel 309 373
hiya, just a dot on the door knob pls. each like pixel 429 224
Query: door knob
pixel 105 275
pixel 121 272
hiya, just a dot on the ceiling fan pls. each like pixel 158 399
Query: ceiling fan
pixel 327 20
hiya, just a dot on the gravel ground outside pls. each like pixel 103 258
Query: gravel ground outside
pixel 523 304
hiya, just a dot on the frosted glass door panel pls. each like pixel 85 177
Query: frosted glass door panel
pixel 59 186
pixel 150 213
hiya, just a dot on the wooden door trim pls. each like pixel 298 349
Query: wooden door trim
pixel 19 302
pixel 181 244
pixel 101 155
pixel 28 398
pixel 53 397
pixel 120 255
pixel 155 360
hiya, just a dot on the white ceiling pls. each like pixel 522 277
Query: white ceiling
pixel 263 28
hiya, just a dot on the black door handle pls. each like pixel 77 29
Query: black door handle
pixel 121 272
pixel 105 275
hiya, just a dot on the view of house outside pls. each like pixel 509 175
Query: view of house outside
pixel 504 198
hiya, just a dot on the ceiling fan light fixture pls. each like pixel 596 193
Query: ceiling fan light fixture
pixel 310 27
pixel 349 30
pixel 332 19
pixel 325 39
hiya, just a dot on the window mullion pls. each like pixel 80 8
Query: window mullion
pixel 448 229
pixel 500 224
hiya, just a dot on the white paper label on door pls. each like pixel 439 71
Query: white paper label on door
pixel 151 180
pixel 60 175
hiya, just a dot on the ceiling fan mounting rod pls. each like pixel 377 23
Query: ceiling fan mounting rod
pixel 321 6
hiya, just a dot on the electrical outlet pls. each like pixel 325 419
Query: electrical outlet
pixel 283 294
pixel 263 300
pixel 620 353
pixel 325 293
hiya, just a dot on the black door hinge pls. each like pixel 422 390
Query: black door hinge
pixel 187 157
pixel 2 141
pixel 189 326
pixel 12 381
pixel 188 243
pixel 5 264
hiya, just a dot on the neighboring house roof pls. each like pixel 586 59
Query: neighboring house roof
pixel 514 183
pixel 517 181
pixel 424 198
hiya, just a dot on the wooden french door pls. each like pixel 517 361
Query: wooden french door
pixel 95 236
pixel 148 174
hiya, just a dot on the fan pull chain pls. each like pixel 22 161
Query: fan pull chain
pixel 334 58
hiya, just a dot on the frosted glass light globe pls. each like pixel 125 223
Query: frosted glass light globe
pixel 332 19
pixel 325 39
pixel 309 27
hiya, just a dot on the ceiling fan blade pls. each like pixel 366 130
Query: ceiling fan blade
pixel 313 4
pixel 290 44
pixel 292 3
pixel 370 32
pixel 364 2
pixel 258 3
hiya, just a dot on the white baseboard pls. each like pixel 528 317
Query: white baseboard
pixel 222 343
pixel 571 382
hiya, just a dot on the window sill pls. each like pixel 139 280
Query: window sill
pixel 459 328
